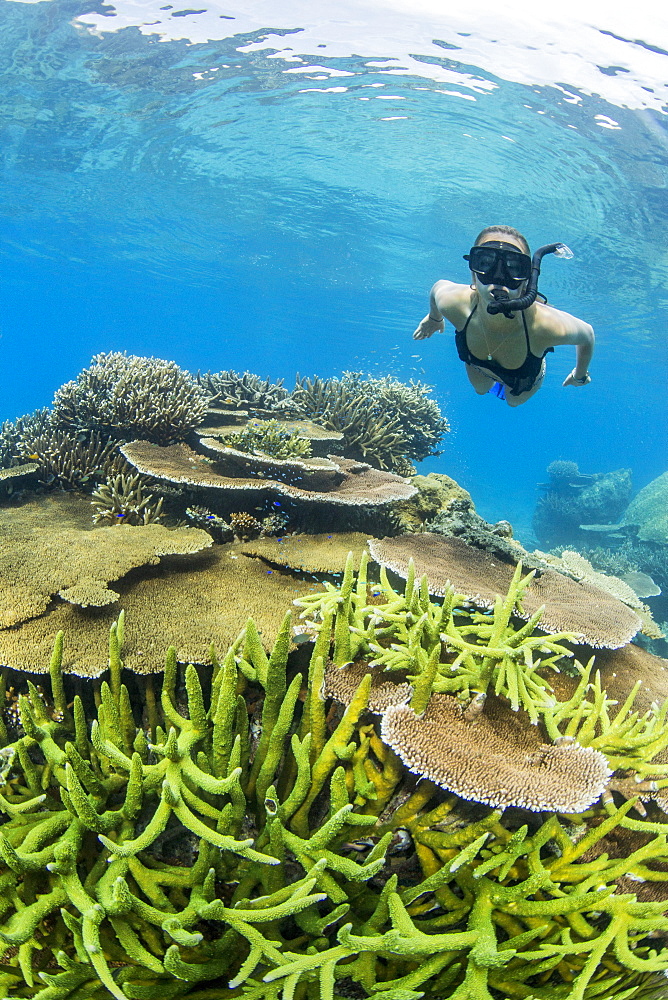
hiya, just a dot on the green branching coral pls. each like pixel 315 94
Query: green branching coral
pixel 267 437
pixel 243 840
pixel 384 421
pixel 470 652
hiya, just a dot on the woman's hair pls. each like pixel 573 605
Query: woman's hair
pixel 506 231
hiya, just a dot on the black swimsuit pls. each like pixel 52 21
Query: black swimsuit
pixel 517 380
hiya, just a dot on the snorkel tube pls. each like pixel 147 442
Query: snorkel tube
pixel 509 306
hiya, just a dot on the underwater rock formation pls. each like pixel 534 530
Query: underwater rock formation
pixel 570 499
pixel 648 511
pixel 240 839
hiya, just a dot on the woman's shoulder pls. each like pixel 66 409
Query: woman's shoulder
pixel 455 301
pixel 554 325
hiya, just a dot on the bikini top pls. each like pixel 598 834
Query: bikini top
pixel 517 380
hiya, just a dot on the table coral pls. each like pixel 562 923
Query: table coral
pixel 42 557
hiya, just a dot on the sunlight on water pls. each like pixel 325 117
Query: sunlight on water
pixel 276 187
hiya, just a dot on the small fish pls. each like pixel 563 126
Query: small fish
pixel 302 638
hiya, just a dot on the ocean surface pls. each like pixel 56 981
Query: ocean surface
pixel 275 186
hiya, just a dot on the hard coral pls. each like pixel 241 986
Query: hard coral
pixel 42 555
pixel 121 500
pixel 245 391
pixel 316 866
pixel 384 421
pixel 130 396
pixel 596 614
pixel 188 602
pixel 244 525
pixel 495 756
pixel 268 438
pixel 63 458
pixel 359 485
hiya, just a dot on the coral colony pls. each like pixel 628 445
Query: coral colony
pixel 307 727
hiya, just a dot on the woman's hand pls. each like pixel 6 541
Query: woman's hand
pixel 573 379
pixel 428 327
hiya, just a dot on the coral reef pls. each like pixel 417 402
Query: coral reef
pixel 268 438
pixel 600 618
pixel 128 396
pixel 384 422
pixel 121 500
pixel 62 458
pixel 16 477
pixel 241 840
pixel 324 554
pixel 570 499
pixel 246 391
pixel 42 556
pixel 176 602
pixel 201 517
pixel 355 484
pixel 315 474
pixel 245 526
pixel 574 564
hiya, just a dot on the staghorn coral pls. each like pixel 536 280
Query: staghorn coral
pixel 383 421
pixel 600 618
pixel 317 867
pixel 128 396
pixel 121 500
pixel 268 438
pixel 62 457
pixel 245 391
pixel 10 437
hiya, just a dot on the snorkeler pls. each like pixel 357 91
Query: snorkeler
pixel 502 333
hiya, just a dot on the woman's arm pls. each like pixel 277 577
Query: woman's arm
pixel 446 299
pixel 583 339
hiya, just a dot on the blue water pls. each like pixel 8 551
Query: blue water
pixel 217 203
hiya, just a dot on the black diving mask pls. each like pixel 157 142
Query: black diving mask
pixel 499 263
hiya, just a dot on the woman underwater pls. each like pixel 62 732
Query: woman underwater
pixel 504 349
